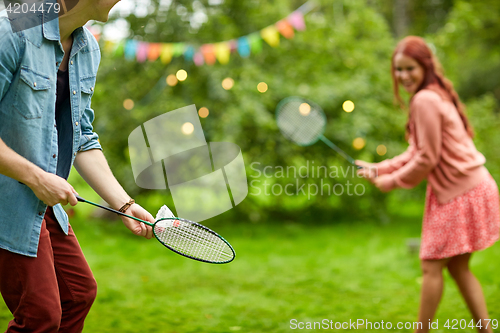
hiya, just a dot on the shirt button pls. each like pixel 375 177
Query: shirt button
pixel 91 88
pixel 34 84
pixel 74 153
pixel 55 125
pixel 74 92
pixel 72 62
pixel 40 213
pixel 54 156
pixel 76 123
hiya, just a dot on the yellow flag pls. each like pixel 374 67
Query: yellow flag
pixel 271 35
pixel 222 52
pixel 166 53
pixel 109 46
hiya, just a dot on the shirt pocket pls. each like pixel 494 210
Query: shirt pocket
pixel 87 89
pixel 32 93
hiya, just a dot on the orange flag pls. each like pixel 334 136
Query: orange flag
pixel 154 51
pixel 285 28
pixel 208 51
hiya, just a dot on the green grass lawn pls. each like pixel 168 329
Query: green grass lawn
pixel 281 272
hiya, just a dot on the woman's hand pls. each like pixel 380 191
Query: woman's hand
pixel 385 183
pixel 367 171
pixel 139 228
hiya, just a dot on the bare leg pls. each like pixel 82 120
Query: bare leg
pixel 432 289
pixel 470 288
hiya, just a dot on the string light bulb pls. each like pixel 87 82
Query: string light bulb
pixel 203 112
pixel 227 83
pixel 358 143
pixel 348 106
pixel 181 75
pixel 262 87
pixel 381 150
pixel 128 104
pixel 187 128
pixel 172 80
pixel 305 109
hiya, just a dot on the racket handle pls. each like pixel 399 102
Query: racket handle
pixel 80 199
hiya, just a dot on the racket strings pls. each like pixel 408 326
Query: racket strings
pixel 299 127
pixel 193 241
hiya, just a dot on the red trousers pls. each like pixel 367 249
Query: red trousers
pixel 52 292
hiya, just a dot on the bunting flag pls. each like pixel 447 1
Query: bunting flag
pixel 271 35
pixel 296 19
pixel 285 28
pixel 189 53
pixel 210 53
pixel 243 46
pixel 142 51
pixel 255 43
pixel 222 52
pixel 154 51
pixel 166 53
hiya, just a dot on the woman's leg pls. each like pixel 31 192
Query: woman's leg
pixel 432 289
pixel 470 288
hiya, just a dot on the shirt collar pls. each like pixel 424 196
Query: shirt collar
pixel 50 27
pixel 51 32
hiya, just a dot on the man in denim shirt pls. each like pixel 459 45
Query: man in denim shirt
pixel 47 77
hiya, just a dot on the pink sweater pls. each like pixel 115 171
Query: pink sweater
pixel 439 150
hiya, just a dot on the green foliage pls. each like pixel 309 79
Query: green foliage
pixel 328 64
pixel 468 47
pixel 343 55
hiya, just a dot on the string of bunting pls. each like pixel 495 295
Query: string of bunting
pixel 210 53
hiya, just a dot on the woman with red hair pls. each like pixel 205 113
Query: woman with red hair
pixel 462 213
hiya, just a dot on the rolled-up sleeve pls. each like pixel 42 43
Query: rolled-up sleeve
pixel 88 139
pixel 10 54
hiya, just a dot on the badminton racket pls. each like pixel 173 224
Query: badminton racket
pixel 303 122
pixel 187 238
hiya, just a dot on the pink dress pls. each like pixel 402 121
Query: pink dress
pixel 467 223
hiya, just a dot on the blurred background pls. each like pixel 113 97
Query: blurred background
pixel 342 54
pixel 324 256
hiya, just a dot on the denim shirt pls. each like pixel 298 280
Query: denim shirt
pixel 29 61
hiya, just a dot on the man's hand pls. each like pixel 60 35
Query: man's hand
pixel 52 189
pixel 137 227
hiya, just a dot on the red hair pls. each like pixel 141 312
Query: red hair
pixel 434 79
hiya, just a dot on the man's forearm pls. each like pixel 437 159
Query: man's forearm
pixel 94 169
pixel 17 167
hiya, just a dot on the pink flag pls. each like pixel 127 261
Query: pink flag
pixel 198 59
pixel 142 51
pixel 296 19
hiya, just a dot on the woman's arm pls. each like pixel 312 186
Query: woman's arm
pixel 427 116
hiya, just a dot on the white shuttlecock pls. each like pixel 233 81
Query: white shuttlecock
pixel 164 212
